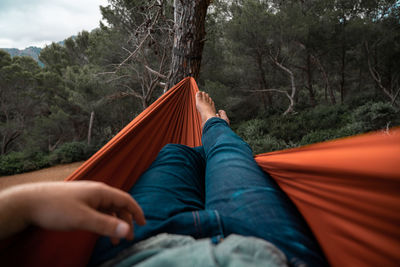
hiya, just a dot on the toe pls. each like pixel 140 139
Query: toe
pixel 223 115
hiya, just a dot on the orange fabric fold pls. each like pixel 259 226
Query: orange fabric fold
pixel 348 190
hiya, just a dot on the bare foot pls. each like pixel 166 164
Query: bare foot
pixel 222 115
pixel 205 106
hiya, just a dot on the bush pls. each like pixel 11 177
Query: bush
pixel 322 123
pixel 266 143
pixel 254 132
pixel 11 163
pixel 324 117
pixel 288 128
pixel 252 129
pixel 375 116
pixel 18 162
pixel 70 152
pixel 328 134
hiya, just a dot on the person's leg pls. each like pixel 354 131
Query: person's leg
pixel 171 195
pixel 248 200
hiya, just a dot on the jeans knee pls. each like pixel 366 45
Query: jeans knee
pixel 173 148
pixel 234 145
pixel 181 153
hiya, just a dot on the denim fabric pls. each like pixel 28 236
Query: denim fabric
pixel 214 191
pixel 169 250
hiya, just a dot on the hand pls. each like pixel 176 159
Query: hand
pixel 81 205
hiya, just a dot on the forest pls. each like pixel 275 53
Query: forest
pixel 288 73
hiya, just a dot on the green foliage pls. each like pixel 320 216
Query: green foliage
pixel 70 152
pixel 273 132
pixel 30 160
pixel 219 93
pixel 17 162
pixel 376 115
pixel 5 59
pixel 266 143
pixel 329 134
pixel 255 133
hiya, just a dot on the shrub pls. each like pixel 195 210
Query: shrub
pixel 266 143
pixel 375 116
pixel 254 132
pixel 288 128
pixel 324 117
pixel 70 152
pixel 11 163
pixel 329 134
pixel 18 162
pixel 252 129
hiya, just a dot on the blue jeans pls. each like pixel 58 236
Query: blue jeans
pixel 213 191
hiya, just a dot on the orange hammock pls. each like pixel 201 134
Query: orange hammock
pixel 348 190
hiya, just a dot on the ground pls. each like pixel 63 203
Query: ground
pixel 56 173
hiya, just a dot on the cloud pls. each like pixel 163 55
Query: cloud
pixel 39 22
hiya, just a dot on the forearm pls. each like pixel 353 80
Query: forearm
pixel 13 211
pixel 69 206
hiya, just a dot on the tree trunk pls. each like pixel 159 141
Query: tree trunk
pixel 378 79
pixel 189 38
pixel 7 140
pixel 328 87
pixel 89 137
pixel 342 80
pixel 263 82
pixel 310 80
pixel 292 95
pixel 343 63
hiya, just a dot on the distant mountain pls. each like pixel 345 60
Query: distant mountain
pixel 31 51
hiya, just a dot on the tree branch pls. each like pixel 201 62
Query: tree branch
pixel 375 75
pixel 155 72
pixel 291 105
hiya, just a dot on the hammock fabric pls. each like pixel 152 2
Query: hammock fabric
pixel 348 190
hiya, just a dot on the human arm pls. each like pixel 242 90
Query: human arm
pixel 81 205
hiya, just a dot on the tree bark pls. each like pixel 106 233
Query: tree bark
pixel 343 69
pixel 263 82
pixel 189 38
pixel 328 87
pixel 378 79
pixel 7 140
pixel 343 63
pixel 89 138
pixel 310 80
pixel 293 85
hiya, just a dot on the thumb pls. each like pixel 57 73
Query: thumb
pixel 105 224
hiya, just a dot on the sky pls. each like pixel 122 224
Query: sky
pixel 26 23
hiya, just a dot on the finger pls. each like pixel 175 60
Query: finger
pixel 127 217
pixel 114 240
pixel 112 198
pixel 104 224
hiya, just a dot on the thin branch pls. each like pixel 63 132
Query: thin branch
pixel 156 73
pixel 271 90
pixel 395 97
pixel 117 78
pixel 291 105
pixel 375 75
pixel 134 52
